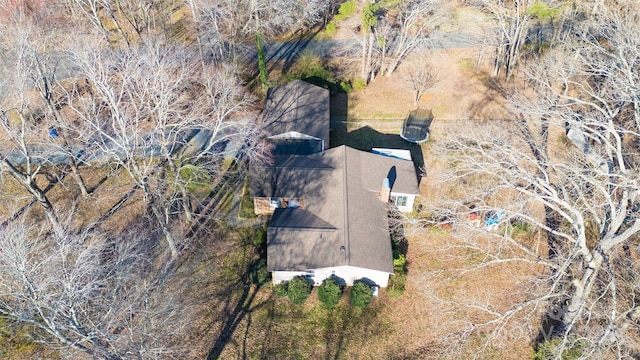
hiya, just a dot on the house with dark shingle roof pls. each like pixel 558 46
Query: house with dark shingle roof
pixel 329 213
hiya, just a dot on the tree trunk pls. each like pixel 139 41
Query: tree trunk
pixel 369 56
pixel 363 62
pixel 383 58
pixel 165 230
pixel 76 174
pixel 38 194
pixel 582 289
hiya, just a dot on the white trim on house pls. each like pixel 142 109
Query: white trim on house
pixel 294 135
pixel 402 154
pixel 347 275
pixel 403 202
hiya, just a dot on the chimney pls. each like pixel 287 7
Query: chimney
pixel 385 192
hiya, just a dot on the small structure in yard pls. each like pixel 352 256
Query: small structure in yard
pixel 296 117
pixel 415 128
pixel 474 216
pixel 492 220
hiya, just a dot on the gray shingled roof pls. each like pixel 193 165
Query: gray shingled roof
pixel 297 106
pixel 342 209
pixel 297 218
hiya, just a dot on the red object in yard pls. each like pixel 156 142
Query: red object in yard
pixel 474 219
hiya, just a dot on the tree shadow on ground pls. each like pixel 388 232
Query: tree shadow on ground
pixel 291 49
pixel 238 298
pixel 52 182
pixel 241 310
pixel 206 209
pixel 428 351
pixel 318 332
pixel 492 102
pixel 280 55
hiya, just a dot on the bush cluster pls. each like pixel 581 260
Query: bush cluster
pixel 309 65
pixel 281 290
pixel 359 84
pixel 329 292
pixel 258 274
pixel 396 285
pixel 346 9
pixel 360 294
pixel 298 290
pixel 331 28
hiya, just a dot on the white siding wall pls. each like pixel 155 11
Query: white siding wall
pixel 410 200
pixel 348 274
pixel 282 276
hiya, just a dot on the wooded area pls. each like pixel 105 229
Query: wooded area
pixel 127 126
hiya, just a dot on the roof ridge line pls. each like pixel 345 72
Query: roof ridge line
pixel 345 194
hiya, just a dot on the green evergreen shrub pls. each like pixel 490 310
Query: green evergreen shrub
pixel 310 65
pixel 298 290
pixel 259 237
pixel 346 9
pixel 359 84
pixel 574 349
pixel 331 28
pixel 329 292
pixel 281 289
pixel 396 286
pixel 346 86
pixel 258 274
pixel 398 261
pixel 360 294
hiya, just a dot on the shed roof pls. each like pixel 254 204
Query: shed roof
pixel 297 106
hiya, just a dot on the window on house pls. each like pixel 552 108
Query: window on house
pixel 274 203
pixel 399 200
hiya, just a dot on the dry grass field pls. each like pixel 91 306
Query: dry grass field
pixel 439 306
pixel 238 320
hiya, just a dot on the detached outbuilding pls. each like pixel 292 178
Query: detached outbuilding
pixel 296 115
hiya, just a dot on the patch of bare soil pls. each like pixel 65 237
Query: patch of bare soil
pixel 463 92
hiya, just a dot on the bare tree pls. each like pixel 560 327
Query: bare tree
pixel 580 190
pixel 30 40
pixel 98 12
pixel 95 294
pixel 28 99
pixel 422 77
pixel 412 23
pixel 26 165
pixel 511 21
pixel 391 31
pixel 188 114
